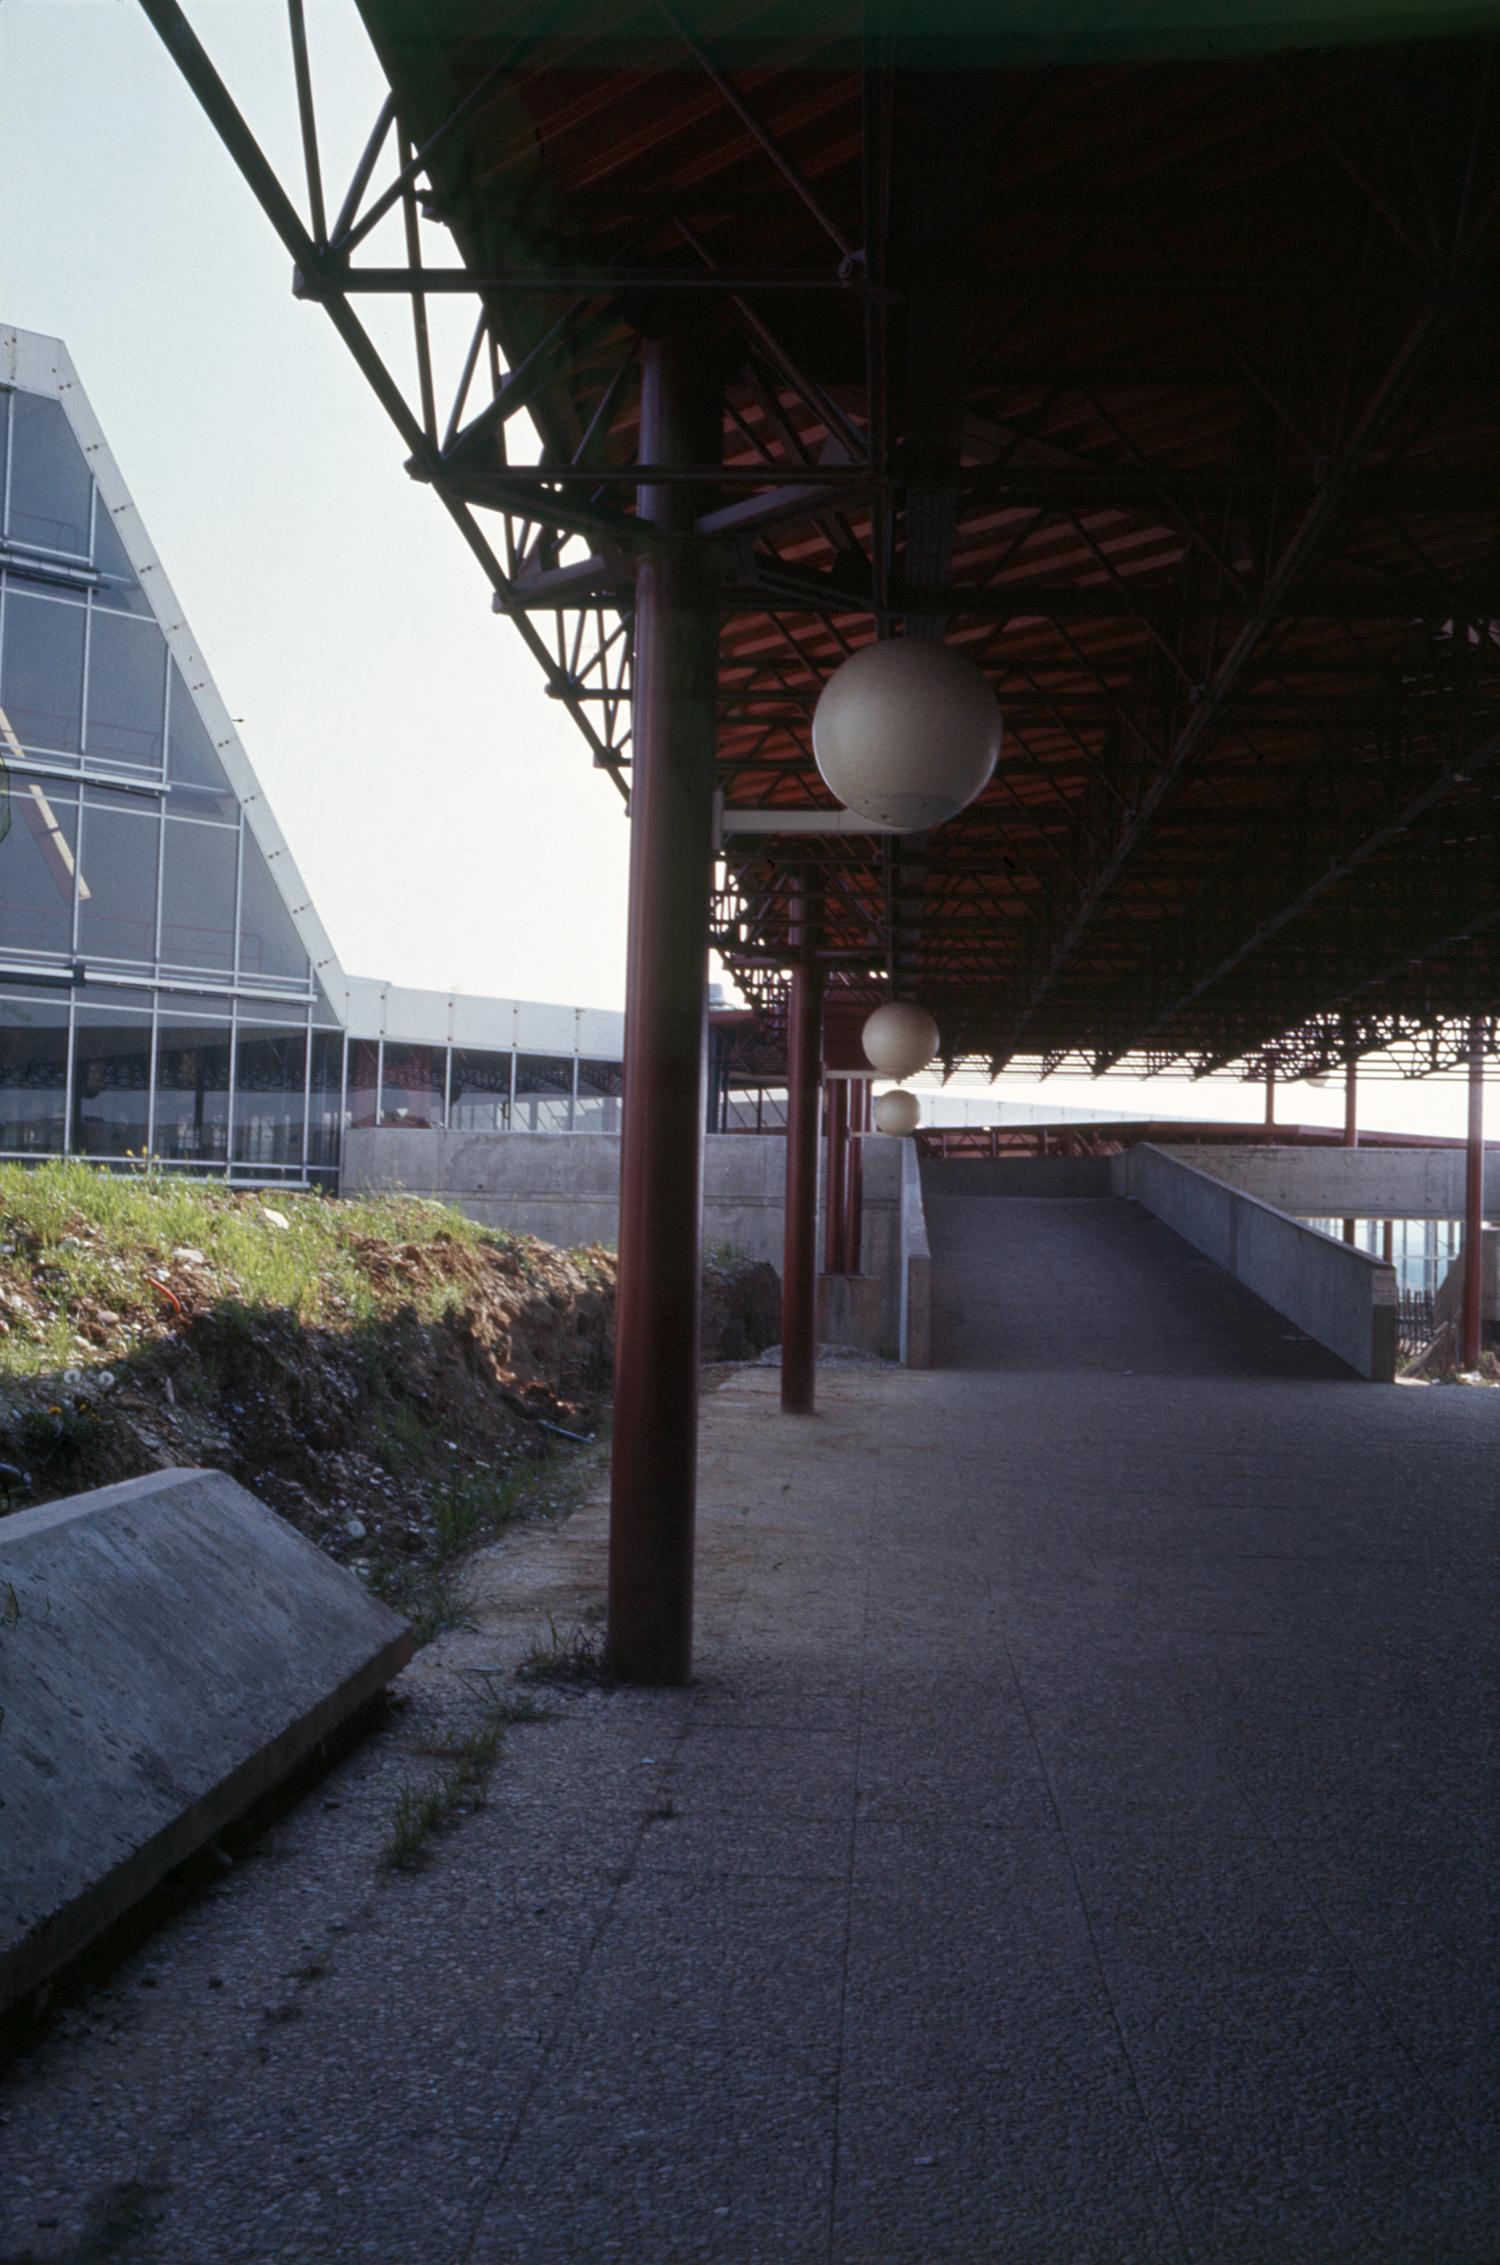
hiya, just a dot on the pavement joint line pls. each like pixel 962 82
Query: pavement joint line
pixel 1355 1972
pixel 622 1879
pixel 855 1811
pixel 1147 2125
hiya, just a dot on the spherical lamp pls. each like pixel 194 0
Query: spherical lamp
pixel 899 1039
pixel 906 733
pixel 898 1113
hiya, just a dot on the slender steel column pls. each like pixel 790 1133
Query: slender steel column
pixel 836 1176
pixel 1473 1312
pixel 1351 1122
pixel 1271 1095
pixel 799 1270
pixel 654 1452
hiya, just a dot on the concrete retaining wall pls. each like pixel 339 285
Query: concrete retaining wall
pixel 170 1650
pixel 564 1187
pixel 1349 1183
pixel 1340 1296
pixel 915 1340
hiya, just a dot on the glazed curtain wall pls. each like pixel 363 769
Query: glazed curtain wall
pixel 180 1016
pixel 395 1083
pixel 201 1083
pixel 155 996
pixel 127 849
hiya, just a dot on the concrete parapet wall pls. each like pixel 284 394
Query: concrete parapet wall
pixel 1348 1183
pixel 915 1265
pixel 564 1187
pixel 171 1651
pixel 1340 1296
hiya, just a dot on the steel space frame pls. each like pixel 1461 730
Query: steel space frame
pixel 1231 960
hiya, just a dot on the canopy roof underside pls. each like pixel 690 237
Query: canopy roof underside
pixel 1163 388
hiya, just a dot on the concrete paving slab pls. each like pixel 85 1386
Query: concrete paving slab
pixel 965 2171
pixel 1076 1848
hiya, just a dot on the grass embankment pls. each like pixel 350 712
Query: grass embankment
pixel 88 1258
pixel 381 1370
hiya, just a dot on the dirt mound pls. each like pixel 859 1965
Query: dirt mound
pixel 379 1372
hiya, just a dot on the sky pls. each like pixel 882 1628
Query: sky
pixel 442 809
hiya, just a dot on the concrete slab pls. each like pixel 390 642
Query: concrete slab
pixel 1078 1845
pixel 171 1650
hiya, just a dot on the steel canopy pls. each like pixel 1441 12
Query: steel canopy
pixel 1162 383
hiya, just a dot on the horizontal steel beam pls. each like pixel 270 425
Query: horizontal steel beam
pixel 321 277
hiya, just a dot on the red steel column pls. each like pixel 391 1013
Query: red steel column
pixel 799 1269
pixel 1351 1122
pixel 836 1176
pixel 1473 1312
pixel 655 1441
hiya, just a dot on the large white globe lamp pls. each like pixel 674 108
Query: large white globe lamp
pixel 906 733
pixel 899 1039
pixel 898 1113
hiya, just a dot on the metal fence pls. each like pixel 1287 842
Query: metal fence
pixel 1415 1327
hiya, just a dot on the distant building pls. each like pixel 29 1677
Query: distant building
pixel 166 986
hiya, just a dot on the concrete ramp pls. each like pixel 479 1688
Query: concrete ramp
pixel 1067 1287
pixel 1018 1175
pixel 169 1651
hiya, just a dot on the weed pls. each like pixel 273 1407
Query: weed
pixel 403 1437
pixel 472 1505
pixel 565 1655
pixel 59 1437
pixel 726 1255
pixel 521 1707
pixel 422 1810
pixel 419 1811
pixel 431 1597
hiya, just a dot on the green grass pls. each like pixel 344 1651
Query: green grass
pixel 83 1236
pixel 565 1655
pixel 422 1810
pixel 473 1507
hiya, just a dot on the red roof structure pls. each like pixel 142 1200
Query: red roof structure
pixel 1161 384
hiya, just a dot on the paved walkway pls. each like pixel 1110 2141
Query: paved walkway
pixel 1080 1845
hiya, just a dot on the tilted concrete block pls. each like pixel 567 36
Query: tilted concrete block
pixel 169 1651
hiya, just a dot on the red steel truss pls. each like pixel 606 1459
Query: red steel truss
pixel 1165 388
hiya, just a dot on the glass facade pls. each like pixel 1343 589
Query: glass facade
pixel 480 1090
pixel 156 995
pixel 544 1094
pixel 596 1107
pixel 1422 1250
pixel 141 927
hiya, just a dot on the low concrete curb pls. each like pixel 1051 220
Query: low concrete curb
pixel 169 1651
pixel 916 1265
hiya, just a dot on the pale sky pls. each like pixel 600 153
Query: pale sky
pixel 443 811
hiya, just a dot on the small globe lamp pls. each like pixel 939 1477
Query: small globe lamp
pixel 906 733
pixel 899 1038
pixel 898 1113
